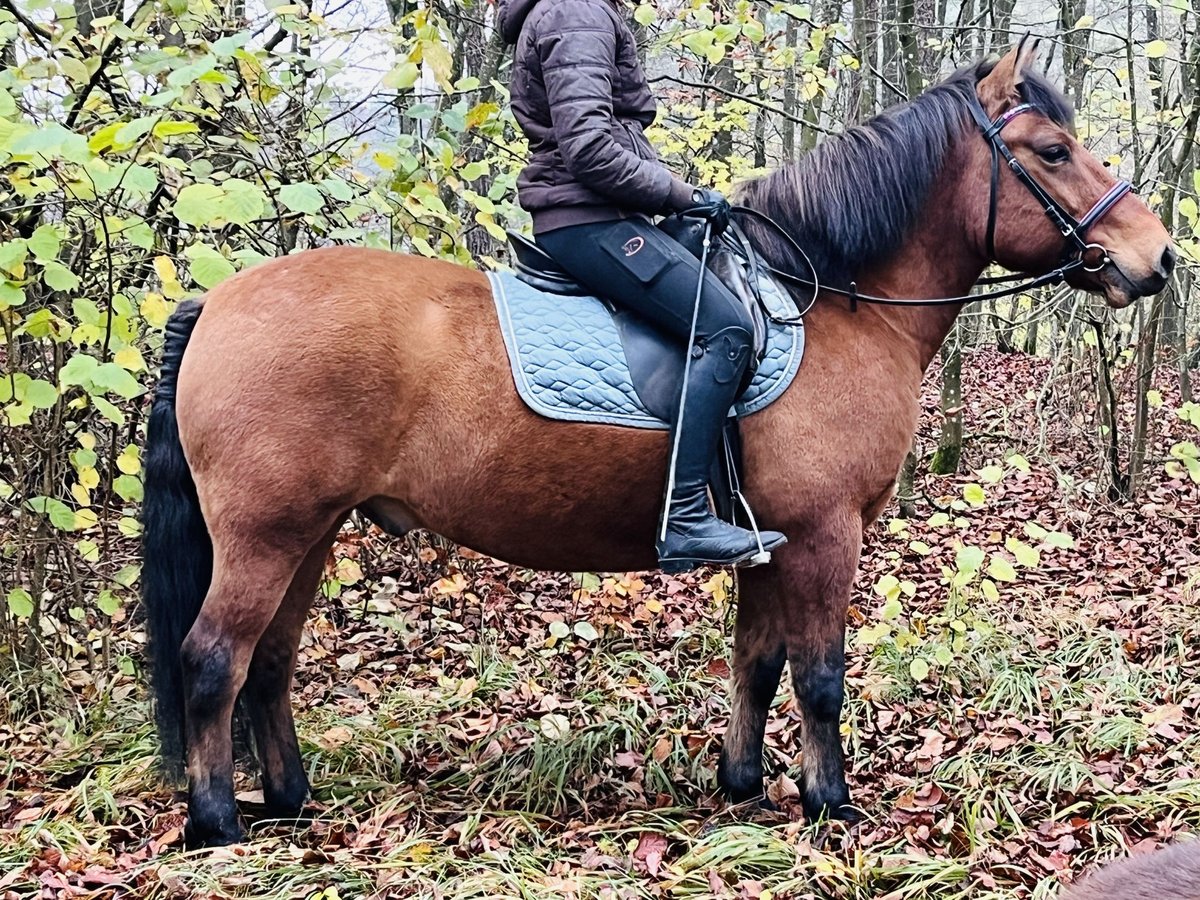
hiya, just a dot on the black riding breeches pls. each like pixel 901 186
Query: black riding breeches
pixel 635 265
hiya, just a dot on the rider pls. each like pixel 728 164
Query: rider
pixel 592 182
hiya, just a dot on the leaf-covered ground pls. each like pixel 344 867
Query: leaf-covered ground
pixel 1023 695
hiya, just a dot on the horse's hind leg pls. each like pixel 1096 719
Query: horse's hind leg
pixel 268 688
pixel 253 567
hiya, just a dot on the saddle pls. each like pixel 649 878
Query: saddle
pixel 593 361
pixel 656 359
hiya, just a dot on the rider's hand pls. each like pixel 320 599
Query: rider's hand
pixel 711 205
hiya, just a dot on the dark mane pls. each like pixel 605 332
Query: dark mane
pixel 850 202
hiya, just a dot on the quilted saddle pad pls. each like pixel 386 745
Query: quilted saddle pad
pixel 568 361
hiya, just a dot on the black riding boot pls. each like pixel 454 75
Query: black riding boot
pixel 694 535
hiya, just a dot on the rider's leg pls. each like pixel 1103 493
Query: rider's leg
pixel 636 265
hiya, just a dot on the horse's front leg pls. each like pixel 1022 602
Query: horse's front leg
pixel 795 608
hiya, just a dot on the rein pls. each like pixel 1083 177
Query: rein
pixel 1074 230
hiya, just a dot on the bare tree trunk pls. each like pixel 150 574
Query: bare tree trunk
pixel 790 37
pixel 949 451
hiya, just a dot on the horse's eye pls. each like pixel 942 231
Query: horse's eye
pixel 1054 154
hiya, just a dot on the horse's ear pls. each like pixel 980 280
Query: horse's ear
pixel 999 89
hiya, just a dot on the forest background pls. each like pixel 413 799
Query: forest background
pixel 1024 639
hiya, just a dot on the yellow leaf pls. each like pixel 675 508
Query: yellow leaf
pixel 129 358
pixel 154 309
pixel 718 586
pixel 169 277
pixel 129 462
pixel 89 477
pixel 81 494
pixel 1157 49
pixel 653 606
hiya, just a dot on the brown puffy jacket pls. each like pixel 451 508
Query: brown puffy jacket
pixel 582 99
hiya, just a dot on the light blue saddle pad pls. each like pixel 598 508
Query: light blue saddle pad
pixel 568 362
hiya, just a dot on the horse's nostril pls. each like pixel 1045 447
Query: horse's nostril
pixel 1167 264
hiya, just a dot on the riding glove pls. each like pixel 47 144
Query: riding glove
pixel 711 205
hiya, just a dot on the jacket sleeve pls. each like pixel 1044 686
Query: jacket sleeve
pixel 577 48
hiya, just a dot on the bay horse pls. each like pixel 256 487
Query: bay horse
pixel 343 378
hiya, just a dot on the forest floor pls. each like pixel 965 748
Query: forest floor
pixel 1016 711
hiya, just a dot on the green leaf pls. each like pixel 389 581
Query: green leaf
pixel 10 295
pixel 78 370
pixel 59 277
pixel 199 204
pixel 127 576
pixel 12 257
pixel 1017 461
pixel 754 31
pixel 20 603
pixel 301 198
pixel 699 42
pixel 110 412
pixel 939 520
pixel 208 267
pixel 60 515
pixel 888 586
pixel 44 242
pixel 645 14
pixel 51 141
pixel 1001 569
pixel 1025 554
pixel 919 669
pixel 1035 531
pixel 243 202
pixel 974 494
pixel 990 474
pixel 988 588
pixel 128 487
pixel 1060 539
pixel 585 631
pixel 402 77
pixel 968 559
pixel 41 394
pixel 892 610
pixel 111 378
pixel 108 603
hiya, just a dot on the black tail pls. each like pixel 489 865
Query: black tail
pixel 176 549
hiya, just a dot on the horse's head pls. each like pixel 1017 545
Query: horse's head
pixel 1125 250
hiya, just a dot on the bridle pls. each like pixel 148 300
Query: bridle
pixel 1075 231
pixel 1075 255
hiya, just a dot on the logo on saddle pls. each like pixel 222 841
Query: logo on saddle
pixel 633 245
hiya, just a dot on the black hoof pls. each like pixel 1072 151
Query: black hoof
pixel 835 807
pixel 738 782
pixel 283 805
pixel 194 839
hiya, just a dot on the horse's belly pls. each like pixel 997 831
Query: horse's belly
pixel 544 494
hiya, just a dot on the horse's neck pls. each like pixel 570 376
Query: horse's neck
pixel 937 260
